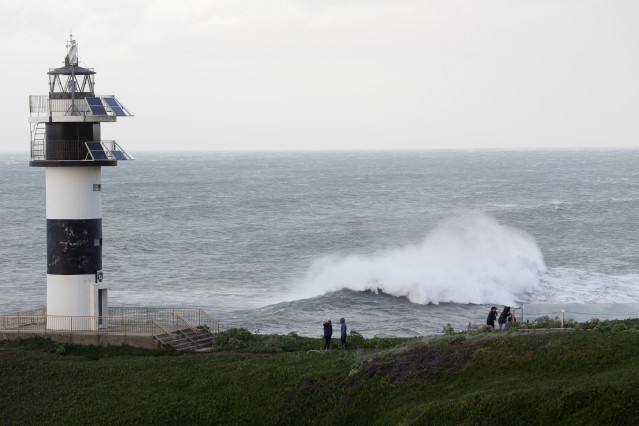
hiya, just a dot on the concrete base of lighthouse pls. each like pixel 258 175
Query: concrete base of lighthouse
pixel 76 302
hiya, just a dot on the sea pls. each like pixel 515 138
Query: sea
pixel 399 243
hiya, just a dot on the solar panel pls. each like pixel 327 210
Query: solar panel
pixel 99 155
pixel 118 111
pixel 96 150
pixel 119 155
pixel 111 102
pixel 115 107
pixel 96 107
pixel 94 146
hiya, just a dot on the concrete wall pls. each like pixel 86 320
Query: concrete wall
pixel 146 342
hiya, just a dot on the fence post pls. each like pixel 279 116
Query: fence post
pixel 563 311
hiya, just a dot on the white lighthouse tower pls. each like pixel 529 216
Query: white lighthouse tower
pixel 65 140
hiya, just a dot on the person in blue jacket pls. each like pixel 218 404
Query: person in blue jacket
pixel 328 332
pixel 343 334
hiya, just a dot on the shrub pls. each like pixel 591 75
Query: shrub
pixel 381 342
pixel 59 348
pixel 603 326
pixel 355 340
pixel 448 329
pixel 240 334
pixel 234 344
pixel 619 327
pixel 546 322
pixel 588 325
pixel 232 339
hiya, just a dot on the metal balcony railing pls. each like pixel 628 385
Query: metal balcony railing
pixel 42 105
pixel 72 150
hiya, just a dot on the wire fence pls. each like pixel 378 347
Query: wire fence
pixel 580 312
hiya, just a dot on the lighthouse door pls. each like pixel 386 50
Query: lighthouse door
pixel 100 295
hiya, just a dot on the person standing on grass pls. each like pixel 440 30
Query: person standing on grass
pixel 503 318
pixel 328 332
pixel 343 334
pixel 492 316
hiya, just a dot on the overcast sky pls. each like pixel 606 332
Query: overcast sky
pixel 349 74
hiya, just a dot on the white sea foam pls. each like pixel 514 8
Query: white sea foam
pixel 467 259
pixel 567 285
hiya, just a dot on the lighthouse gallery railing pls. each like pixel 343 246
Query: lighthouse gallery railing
pixel 68 149
pixel 43 105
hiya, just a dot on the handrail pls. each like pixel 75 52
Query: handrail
pixel 25 323
pixel 122 320
pixel 42 105
pixel 194 316
pixel 193 330
pixel 217 324
pixel 36 311
pixel 143 312
pixel 167 332
pixel 71 150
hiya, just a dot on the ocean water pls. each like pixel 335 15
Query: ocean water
pixel 398 243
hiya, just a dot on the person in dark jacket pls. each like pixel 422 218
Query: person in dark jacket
pixel 503 317
pixel 343 334
pixel 328 332
pixel 492 316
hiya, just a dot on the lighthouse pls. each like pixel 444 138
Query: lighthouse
pixel 66 141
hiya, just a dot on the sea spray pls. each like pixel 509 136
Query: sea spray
pixel 569 285
pixel 467 259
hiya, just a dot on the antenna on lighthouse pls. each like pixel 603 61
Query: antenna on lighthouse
pixel 72 52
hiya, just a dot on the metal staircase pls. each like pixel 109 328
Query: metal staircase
pixel 188 338
pixel 37 141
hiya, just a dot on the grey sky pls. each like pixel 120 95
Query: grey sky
pixel 313 75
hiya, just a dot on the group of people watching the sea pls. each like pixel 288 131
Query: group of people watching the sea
pixel 328 333
pixel 505 318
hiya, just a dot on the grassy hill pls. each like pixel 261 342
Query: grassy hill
pixel 588 374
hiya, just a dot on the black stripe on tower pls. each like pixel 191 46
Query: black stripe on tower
pixel 65 141
pixel 74 246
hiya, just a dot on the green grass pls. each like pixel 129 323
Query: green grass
pixel 584 376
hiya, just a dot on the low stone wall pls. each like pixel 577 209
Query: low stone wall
pixel 97 339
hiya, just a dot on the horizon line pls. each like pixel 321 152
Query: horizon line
pixel 351 150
